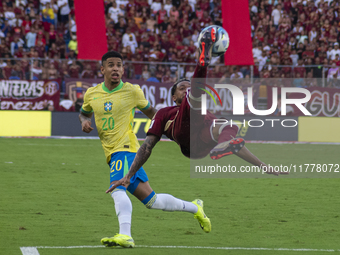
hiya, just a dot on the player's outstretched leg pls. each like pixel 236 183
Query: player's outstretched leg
pixel 123 208
pixel 205 46
pixel 203 220
pixel 170 203
pixel 246 155
pixel 224 135
pixel 236 146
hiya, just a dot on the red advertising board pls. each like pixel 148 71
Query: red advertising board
pixel 324 102
pixel 29 95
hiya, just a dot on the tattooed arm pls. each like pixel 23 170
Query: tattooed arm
pixel 142 156
pixel 85 120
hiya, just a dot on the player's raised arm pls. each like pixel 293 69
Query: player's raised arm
pixel 85 120
pixel 150 112
pixel 142 156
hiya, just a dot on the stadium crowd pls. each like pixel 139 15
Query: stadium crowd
pixel 293 33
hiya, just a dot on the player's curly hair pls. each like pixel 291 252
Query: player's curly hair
pixel 111 54
pixel 173 89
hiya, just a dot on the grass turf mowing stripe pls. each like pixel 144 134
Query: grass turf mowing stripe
pixel 31 250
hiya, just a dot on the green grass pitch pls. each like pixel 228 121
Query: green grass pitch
pixel 52 193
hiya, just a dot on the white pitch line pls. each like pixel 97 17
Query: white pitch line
pixel 29 251
pixel 34 251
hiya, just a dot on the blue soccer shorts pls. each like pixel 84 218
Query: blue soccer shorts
pixel 119 166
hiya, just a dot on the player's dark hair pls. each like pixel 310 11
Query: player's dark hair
pixel 111 54
pixel 174 87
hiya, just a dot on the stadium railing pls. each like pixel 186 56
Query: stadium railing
pixel 173 69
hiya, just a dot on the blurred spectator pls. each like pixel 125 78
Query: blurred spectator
pixel 17 42
pixel 48 13
pixel 150 23
pixel 317 69
pixel 190 73
pixel 50 108
pixel 174 13
pixel 333 72
pixel 74 70
pixel 298 81
pixel 88 72
pixel 277 14
pixel 31 38
pixel 64 71
pixel 236 74
pixel 114 11
pixel 64 10
pixel 334 51
pixel 16 74
pixel 168 6
pixel 216 16
pixel 45 106
pixel 161 14
pixel 300 68
pixel 257 51
pixel 120 26
pixel 52 72
pixel 99 73
pixel 164 25
pixel 310 81
pixel 43 4
pixel 20 53
pixel 26 24
pixel 156 6
pixel 55 8
pixel 7 69
pixel 61 46
pixel 313 34
pixel 45 69
pixel 79 102
pixel 40 46
pixel 153 78
pixel 72 26
pixel 9 14
pixel 51 36
pixel 5 27
pixel 129 39
pixel 36 70
pixel 294 56
pixel 73 45
pixel 30 11
pixel 167 77
pixel 145 74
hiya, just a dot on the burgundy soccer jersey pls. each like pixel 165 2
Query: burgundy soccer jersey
pixel 174 122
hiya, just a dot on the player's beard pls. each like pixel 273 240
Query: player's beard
pixel 179 100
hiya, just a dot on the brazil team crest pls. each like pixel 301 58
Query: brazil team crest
pixel 108 106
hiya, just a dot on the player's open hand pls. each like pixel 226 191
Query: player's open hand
pixel 125 181
pixel 86 126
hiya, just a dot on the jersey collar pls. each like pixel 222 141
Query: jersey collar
pixel 115 89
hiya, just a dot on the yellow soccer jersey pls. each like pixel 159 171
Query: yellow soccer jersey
pixel 113 112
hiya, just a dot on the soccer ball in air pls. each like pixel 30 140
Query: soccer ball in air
pixel 222 40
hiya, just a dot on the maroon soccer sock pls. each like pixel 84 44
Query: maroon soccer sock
pixel 200 72
pixel 198 80
pixel 228 133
